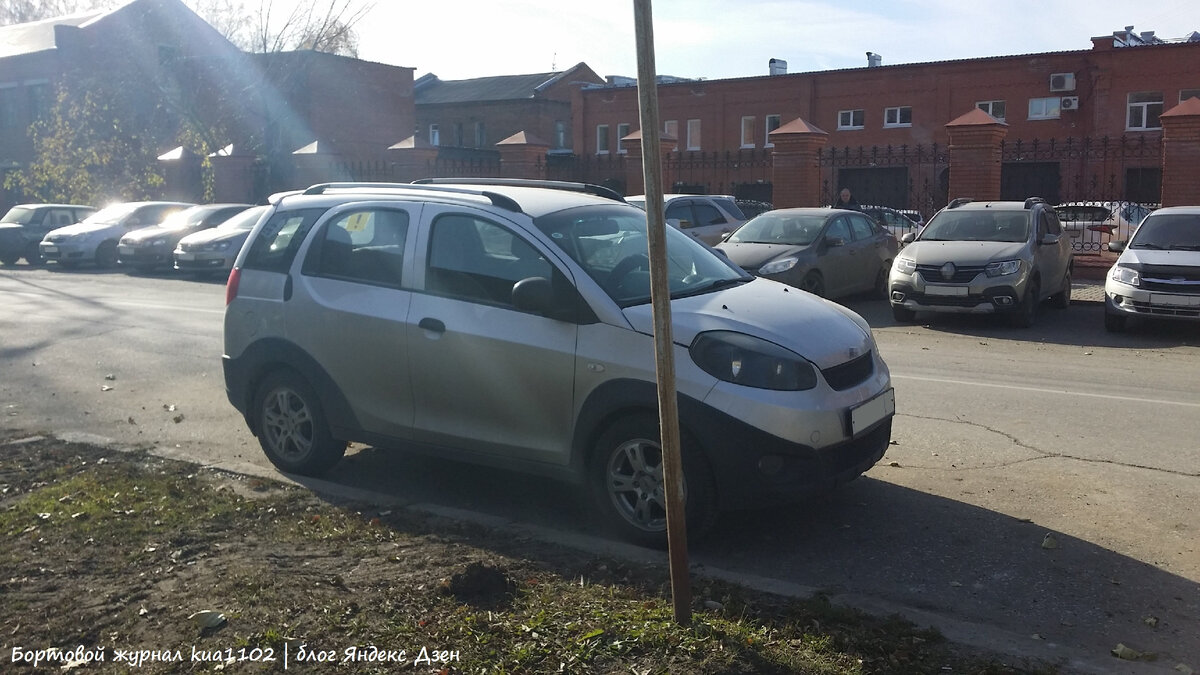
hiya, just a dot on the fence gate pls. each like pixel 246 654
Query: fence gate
pixel 903 177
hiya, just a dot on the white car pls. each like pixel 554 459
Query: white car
pixel 1158 273
pixel 709 218
pixel 95 239
pixel 1091 225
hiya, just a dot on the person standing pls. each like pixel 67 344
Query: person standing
pixel 846 201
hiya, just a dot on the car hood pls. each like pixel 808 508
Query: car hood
pixel 751 256
pixel 213 235
pixel 11 226
pixel 86 228
pixel 153 232
pixel 962 253
pixel 813 327
pixel 1143 256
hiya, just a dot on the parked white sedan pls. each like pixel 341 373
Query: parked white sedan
pixel 1158 273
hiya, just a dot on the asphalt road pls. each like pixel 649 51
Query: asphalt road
pixel 1002 437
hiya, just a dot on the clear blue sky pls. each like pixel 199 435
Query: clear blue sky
pixel 715 39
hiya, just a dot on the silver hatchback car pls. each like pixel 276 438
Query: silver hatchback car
pixel 508 323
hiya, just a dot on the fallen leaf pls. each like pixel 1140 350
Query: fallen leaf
pixel 1151 621
pixel 1127 653
pixel 106 388
pixel 1185 669
pixel 1049 541
pixel 178 418
pixel 208 619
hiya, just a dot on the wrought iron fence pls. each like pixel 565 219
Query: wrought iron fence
pixel 912 177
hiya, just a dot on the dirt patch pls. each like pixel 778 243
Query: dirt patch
pixel 123 561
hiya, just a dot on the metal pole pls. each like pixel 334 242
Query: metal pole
pixel 660 297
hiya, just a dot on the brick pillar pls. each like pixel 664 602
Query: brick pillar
pixel 975 158
pixel 635 177
pixel 233 178
pixel 1181 154
pixel 413 159
pixel 523 155
pixel 796 164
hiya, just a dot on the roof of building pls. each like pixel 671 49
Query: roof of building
pixel 38 36
pixel 429 89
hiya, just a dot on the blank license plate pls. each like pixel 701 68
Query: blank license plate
pixel 945 290
pixel 867 414
pixel 50 249
pixel 185 256
pixel 1175 300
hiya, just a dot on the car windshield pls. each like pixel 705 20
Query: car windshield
pixel 19 215
pixel 1175 231
pixel 243 221
pixel 776 227
pixel 186 219
pixel 609 243
pixel 111 214
pixel 978 225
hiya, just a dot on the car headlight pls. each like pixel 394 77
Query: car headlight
pixel 752 362
pixel 777 266
pixel 1126 275
pixel 1003 268
pixel 220 246
pixel 904 266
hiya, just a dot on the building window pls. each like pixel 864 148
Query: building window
pixel 434 135
pixel 1144 109
pixel 480 135
pixel 1185 94
pixel 622 132
pixel 748 128
pixel 693 135
pixel 1044 108
pixel 900 116
pixel 993 108
pixel 850 119
pixel 773 123
pixel 560 134
pixel 602 139
pixel 39 100
pixel 8 106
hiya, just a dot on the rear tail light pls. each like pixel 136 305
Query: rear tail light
pixel 231 286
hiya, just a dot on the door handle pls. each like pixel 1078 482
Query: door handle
pixel 432 325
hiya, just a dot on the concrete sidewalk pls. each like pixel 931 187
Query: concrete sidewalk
pixel 1087 283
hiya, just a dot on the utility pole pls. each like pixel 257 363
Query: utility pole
pixel 660 298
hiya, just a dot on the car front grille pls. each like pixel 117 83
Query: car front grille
pixel 949 300
pixel 853 372
pixel 962 275
pixel 1182 280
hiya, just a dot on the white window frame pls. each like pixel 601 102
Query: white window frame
pixel 748 128
pixel 846 119
pixel 622 132
pixel 894 117
pixel 602 139
pixel 560 134
pixel 773 122
pixel 435 135
pixel 1143 108
pixel 1045 108
pixel 989 107
pixel 693 134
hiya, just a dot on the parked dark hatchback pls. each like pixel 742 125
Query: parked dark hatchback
pixel 25 224
pixel 151 247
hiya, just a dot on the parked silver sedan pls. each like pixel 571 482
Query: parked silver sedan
pixel 211 251
pixel 827 252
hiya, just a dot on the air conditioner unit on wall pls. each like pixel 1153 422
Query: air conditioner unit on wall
pixel 1069 103
pixel 1062 82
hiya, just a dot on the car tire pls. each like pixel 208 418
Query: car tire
pixel 881 283
pixel 903 314
pixel 10 259
pixel 1115 323
pixel 292 428
pixel 814 283
pixel 626 462
pixel 33 255
pixel 1062 299
pixel 106 255
pixel 1026 312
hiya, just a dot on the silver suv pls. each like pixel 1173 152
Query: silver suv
pixel 982 258
pixel 508 323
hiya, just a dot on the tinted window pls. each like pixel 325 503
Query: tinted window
pixel 680 210
pixel 731 207
pixel 978 225
pixel 153 215
pixel 477 260
pixel 838 229
pixel 364 246
pixel 707 214
pixel 780 227
pixel 861 227
pixel 274 249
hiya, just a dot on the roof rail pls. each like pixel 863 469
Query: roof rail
pixel 499 200
pixel 958 201
pixel 587 188
pixel 1033 200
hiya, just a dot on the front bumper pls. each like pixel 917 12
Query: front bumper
pixel 982 295
pixel 62 251
pixel 143 256
pixel 1128 300
pixel 203 261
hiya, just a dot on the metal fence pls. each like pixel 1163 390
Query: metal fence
pixel 902 177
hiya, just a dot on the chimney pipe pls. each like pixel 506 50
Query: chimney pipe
pixel 874 60
pixel 777 67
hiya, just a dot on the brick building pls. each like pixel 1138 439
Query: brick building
pixel 1079 124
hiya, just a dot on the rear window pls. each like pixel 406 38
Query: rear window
pixel 730 207
pixel 1071 214
pixel 274 249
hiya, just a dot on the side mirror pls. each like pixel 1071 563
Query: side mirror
pixel 1050 239
pixel 833 242
pixel 533 295
pixel 1117 246
pixel 909 237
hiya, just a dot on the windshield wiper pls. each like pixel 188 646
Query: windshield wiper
pixel 1147 245
pixel 712 286
pixel 1184 247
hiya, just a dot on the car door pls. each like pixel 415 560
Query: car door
pixel 353 277
pixel 711 224
pixel 1051 259
pixel 866 256
pixel 488 377
pixel 837 258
